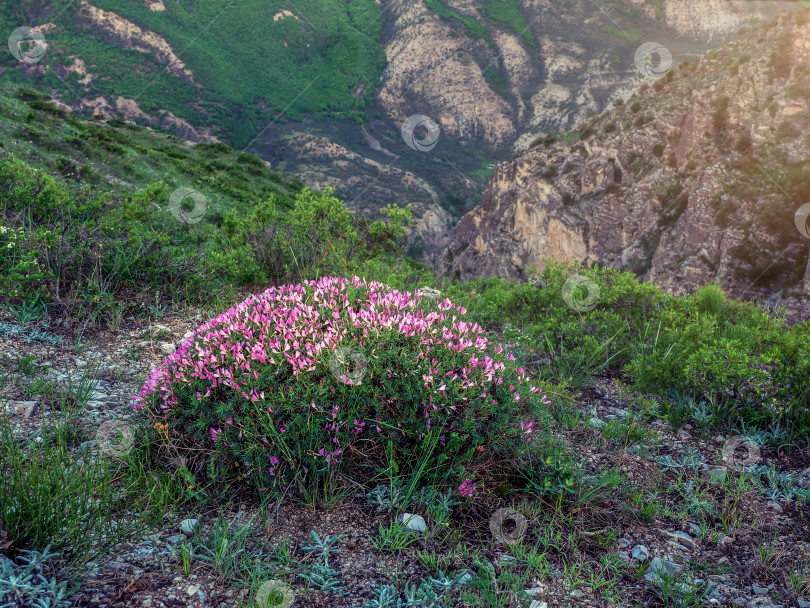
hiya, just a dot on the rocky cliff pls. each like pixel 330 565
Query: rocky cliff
pixel 695 178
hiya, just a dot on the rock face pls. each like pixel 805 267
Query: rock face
pixel 694 179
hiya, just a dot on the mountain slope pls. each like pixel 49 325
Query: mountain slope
pixel 343 75
pixel 692 180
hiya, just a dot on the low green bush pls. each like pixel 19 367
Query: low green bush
pixel 303 381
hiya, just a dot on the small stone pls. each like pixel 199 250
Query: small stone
pixel 683 538
pixel 576 593
pixel 640 553
pixel 624 543
pixel 596 423
pixel 763 602
pixel 695 529
pixel 187 526
pixel 659 568
pixel 774 506
pixel 167 348
pixel 761 590
pixel 188 334
pixel 534 592
pixel 538 604
pixel 683 434
pixel 192 590
pixel 803 603
pixel 21 408
pixel 147 603
pixel 716 474
pixel 413 522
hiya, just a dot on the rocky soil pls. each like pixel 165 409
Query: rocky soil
pixel 689 510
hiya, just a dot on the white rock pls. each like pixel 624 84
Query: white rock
pixel 187 526
pixel 167 348
pixel 413 522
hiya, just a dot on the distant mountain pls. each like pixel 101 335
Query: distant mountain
pixel 694 179
pixel 322 88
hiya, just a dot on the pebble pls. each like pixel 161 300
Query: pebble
pixel 641 553
pixel 659 568
pixel 187 526
pixel 538 604
pixel 695 529
pixel 21 408
pixel 596 423
pixel 716 474
pixel 413 522
pixel 774 506
pixel 576 593
pixel 683 434
pixel 624 543
pixel 683 538
pixel 803 603
pixel 167 348
pixel 192 590
pixel 761 590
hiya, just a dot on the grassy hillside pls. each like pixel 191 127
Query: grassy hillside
pixel 248 66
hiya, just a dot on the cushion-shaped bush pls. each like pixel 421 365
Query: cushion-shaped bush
pixel 301 379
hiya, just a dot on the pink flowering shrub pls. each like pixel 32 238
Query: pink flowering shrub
pixel 301 379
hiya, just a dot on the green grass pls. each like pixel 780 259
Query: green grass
pixel 241 57
pixel 630 34
pixel 508 12
pixel 472 27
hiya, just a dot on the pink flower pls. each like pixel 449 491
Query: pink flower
pixel 467 488
pixel 214 433
pixel 526 427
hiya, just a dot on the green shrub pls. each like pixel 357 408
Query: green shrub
pixel 292 384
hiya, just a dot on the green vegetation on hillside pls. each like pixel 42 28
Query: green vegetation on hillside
pixel 322 60
pixel 473 28
pixel 507 11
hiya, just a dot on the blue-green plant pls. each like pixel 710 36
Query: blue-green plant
pixel 26 585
